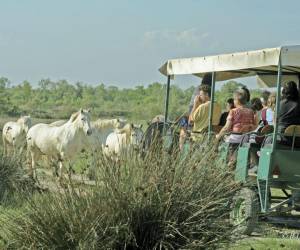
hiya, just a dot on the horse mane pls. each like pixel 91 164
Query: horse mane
pixel 74 116
pixel 23 119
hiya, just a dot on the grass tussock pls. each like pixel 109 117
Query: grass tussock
pixel 160 201
pixel 14 180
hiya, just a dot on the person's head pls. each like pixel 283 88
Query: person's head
pixel 204 93
pixel 206 80
pixel 272 101
pixel 229 104
pixel 247 92
pixel 256 104
pixel 240 97
pixel 264 98
pixel 290 91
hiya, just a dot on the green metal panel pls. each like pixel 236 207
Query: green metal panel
pixel 241 171
pixel 263 176
pixel 264 163
pixel 287 162
pixel 223 151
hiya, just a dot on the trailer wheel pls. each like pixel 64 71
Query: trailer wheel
pixel 244 213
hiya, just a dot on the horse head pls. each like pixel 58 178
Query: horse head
pixel 82 120
pixel 136 134
pixel 25 122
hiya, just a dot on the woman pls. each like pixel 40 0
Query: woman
pixel 257 107
pixel 264 100
pixel 240 120
pixel 289 112
pixel 269 120
pixel 229 106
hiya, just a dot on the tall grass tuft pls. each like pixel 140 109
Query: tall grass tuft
pixel 13 179
pixel 160 201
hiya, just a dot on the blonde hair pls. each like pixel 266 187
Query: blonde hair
pixel 272 101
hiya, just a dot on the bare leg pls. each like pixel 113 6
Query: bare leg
pixel 182 138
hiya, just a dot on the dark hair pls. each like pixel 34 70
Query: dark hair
pixel 206 89
pixel 230 101
pixel 247 93
pixel 206 80
pixel 265 96
pixel 290 91
pixel 256 104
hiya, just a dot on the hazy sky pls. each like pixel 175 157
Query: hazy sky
pixel 124 42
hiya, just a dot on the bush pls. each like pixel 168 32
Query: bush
pixel 161 201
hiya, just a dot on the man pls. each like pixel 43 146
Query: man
pixel 206 80
pixel 200 113
pixel 185 121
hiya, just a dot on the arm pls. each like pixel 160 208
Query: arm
pixel 227 126
pixel 224 130
pixel 197 103
pixel 256 119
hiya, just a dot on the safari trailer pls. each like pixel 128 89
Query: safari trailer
pixel 279 165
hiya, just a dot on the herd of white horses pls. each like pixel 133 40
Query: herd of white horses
pixel 61 141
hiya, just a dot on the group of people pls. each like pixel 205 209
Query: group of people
pixel 243 114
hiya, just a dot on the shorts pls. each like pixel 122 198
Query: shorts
pixel 184 122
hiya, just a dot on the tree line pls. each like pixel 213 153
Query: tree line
pixel 58 99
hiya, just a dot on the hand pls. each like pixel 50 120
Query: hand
pixel 218 137
pixel 197 101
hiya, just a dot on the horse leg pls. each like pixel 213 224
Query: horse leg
pixel 33 164
pixel 4 147
pixel 61 170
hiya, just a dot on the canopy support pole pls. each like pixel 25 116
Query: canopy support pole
pixel 278 93
pixel 167 102
pixel 211 106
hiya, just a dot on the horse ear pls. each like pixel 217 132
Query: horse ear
pixel 81 110
pixel 118 120
pixel 131 125
pixel 141 125
pixel 89 110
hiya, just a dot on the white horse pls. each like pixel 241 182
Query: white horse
pixel 102 128
pixel 58 123
pixel 61 143
pixel 14 135
pixel 120 140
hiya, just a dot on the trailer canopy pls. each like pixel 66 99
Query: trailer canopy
pixel 262 62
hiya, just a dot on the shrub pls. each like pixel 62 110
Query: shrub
pixel 161 201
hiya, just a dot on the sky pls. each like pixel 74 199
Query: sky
pixel 124 42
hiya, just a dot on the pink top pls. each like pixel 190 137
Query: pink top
pixel 242 120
